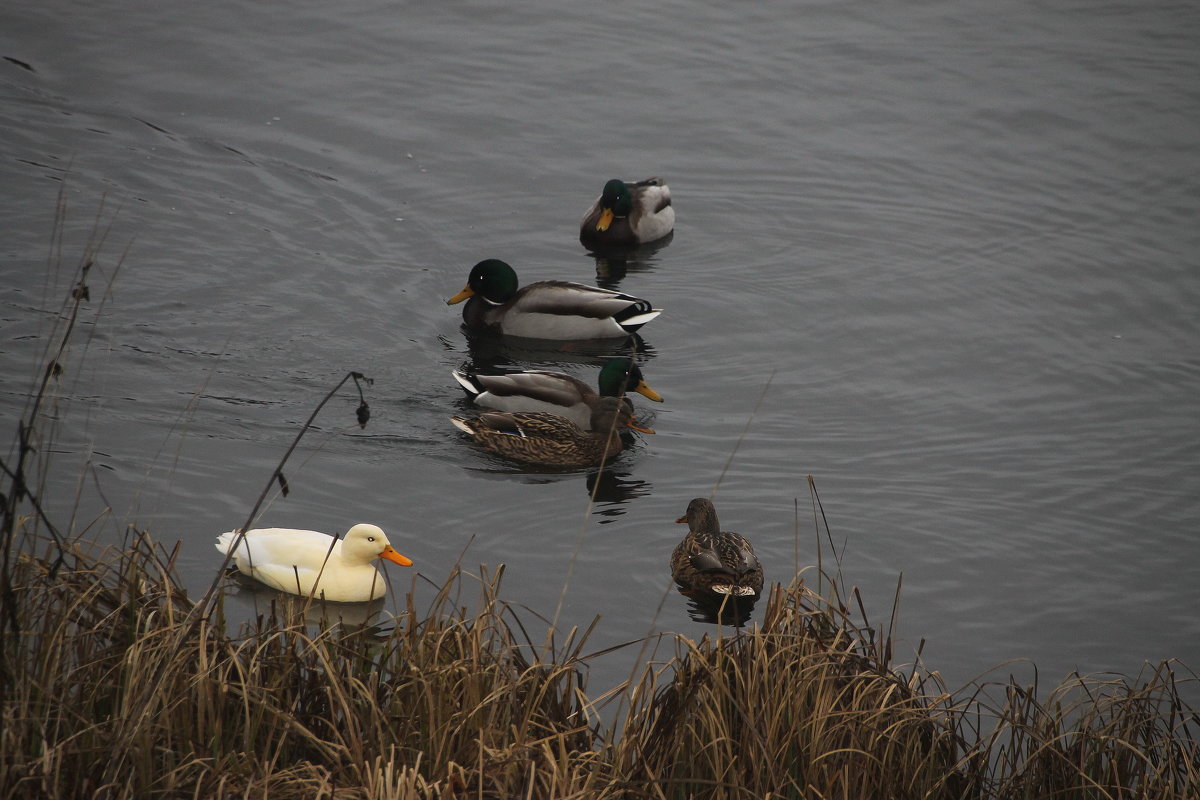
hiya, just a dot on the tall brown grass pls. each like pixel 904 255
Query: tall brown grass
pixel 111 692
pixel 115 684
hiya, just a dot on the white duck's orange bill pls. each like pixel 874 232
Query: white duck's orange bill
pixel 395 558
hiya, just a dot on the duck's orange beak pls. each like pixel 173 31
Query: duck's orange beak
pixel 634 426
pixel 395 558
pixel 463 295
pixel 606 218
pixel 682 519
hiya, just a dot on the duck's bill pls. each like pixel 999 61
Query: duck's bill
pixel 463 295
pixel 606 219
pixel 647 392
pixel 682 519
pixel 633 426
pixel 394 557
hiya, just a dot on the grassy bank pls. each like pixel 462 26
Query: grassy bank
pixel 112 687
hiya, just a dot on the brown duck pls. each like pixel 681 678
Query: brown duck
pixel 540 437
pixel 710 560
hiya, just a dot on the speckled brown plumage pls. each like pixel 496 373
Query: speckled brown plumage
pixel 712 560
pixel 543 438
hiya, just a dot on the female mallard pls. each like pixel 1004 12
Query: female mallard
pixel 547 309
pixel 555 392
pixel 543 438
pixel 313 563
pixel 712 560
pixel 628 214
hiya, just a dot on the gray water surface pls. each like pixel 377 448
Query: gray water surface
pixel 943 257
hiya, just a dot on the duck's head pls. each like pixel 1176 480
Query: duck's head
pixel 615 201
pixel 366 542
pixel 491 279
pixel 612 413
pixel 620 375
pixel 701 516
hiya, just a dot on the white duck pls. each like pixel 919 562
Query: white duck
pixel 298 561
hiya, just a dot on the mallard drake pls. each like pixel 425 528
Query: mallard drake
pixel 712 560
pixel 543 438
pixel 296 561
pixel 628 214
pixel 555 392
pixel 546 309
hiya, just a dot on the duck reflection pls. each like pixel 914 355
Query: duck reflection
pixel 490 351
pixel 260 601
pixel 612 265
pixel 613 490
pixel 716 569
pixel 719 609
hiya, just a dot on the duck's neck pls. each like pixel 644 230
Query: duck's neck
pixel 610 444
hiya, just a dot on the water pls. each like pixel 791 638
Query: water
pixel 943 259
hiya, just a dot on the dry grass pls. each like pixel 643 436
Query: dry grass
pixel 111 691
pixel 800 707
pixel 114 684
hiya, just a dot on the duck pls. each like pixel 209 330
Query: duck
pixel 546 309
pixel 712 561
pixel 555 392
pixel 540 437
pixel 312 563
pixel 628 214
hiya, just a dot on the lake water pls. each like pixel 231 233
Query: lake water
pixel 944 257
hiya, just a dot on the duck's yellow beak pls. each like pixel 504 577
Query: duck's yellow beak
pixel 645 391
pixel 463 295
pixel 395 558
pixel 606 218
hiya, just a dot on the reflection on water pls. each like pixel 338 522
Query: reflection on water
pixel 254 601
pixel 613 265
pixel 612 490
pixel 608 486
pixel 492 351
pixel 718 609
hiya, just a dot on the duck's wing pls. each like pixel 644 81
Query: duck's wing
pixel 726 552
pixel 505 391
pixel 533 390
pixel 524 425
pixel 707 561
pixel 284 546
pixel 488 423
pixel 651 194
pixel 745 558
pixel 566 298
pixel 653 216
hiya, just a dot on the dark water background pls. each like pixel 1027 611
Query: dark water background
pixel 949 251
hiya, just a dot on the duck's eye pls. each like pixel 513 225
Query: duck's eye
pixel 370 538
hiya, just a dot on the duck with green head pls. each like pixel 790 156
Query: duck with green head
pixel 627 215
pixel 555 392
pixel 539 437
pixel 712 561
pixel 546 309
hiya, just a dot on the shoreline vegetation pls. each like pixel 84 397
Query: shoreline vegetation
pixel 115 684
